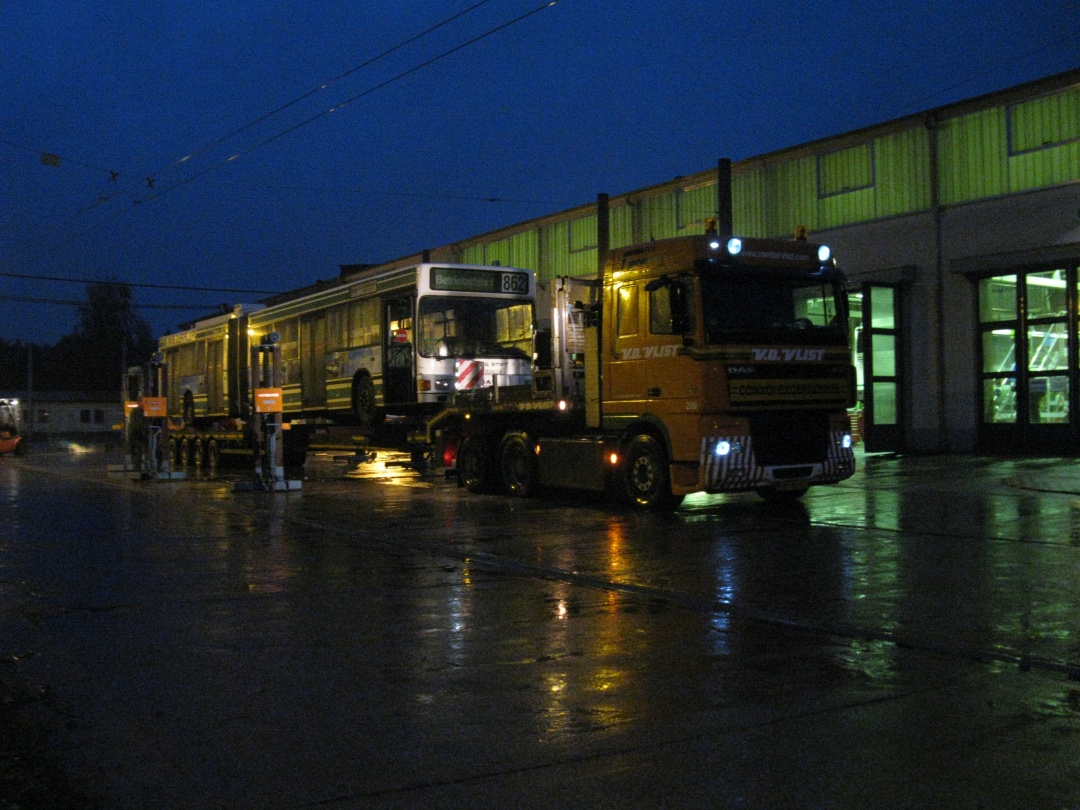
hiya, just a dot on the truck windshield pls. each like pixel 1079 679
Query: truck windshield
pixel 773 306
pixel 473 326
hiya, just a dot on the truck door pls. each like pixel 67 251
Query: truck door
pixel 624 378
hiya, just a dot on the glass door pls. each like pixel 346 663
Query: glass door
pixel 882 369
pixel 1028 332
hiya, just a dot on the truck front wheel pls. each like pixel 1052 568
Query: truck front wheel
pixel 646 476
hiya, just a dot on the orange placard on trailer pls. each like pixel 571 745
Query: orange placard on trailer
pixel 154 407
pixel 268 400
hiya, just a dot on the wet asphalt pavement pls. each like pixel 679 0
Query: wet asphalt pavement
pixel 910 638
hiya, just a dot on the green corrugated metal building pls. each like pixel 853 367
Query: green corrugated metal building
pixel 959 229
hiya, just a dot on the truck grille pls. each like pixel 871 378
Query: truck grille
pixel 790 437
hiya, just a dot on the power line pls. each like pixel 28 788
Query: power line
pixel 150 179
pixel 381 85
pixel 916 106
pixel 26 299
pixel 432 195
pixel 326 84
pixel 68 280
pixel 55 160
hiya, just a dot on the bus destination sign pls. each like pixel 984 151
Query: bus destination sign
pixel 467 279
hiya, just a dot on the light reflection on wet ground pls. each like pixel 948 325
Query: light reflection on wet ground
pixel 382 638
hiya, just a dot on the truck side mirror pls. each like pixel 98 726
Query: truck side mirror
pixel 543 351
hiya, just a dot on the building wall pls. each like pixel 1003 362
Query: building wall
pixel 71 418
pixel 926 202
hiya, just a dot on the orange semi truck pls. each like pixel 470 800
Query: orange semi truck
pixel 693 364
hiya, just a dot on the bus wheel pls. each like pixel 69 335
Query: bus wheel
pixel 517 464
pixel 363 400
pixel 474 465
pixel 646 477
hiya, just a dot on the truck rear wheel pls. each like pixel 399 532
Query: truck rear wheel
pixel 517 464
pixel 646 476
pixel 474 465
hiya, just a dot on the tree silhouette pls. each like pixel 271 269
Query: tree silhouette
pixel 109 337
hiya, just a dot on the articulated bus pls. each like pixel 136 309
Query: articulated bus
pixel 402 340
pixel 372 342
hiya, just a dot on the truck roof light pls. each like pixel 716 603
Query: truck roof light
pixel 824 253
pixel 734 246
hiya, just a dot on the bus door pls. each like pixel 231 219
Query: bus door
pixel 399 374
pixel 313 359
pixel 215 377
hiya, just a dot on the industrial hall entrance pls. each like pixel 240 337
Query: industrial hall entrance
pixel 1030 374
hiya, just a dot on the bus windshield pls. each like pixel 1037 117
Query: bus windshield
pixel 774 307
pixel 472 326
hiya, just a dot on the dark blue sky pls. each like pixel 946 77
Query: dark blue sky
pixel 581 97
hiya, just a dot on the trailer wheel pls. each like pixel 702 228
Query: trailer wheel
pixel 646 477
pixel 517 464
pixel 474 465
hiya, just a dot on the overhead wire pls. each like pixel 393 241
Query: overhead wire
pixel 427 195
pixel 915 106
pixel 70 280
pixel 214 167
pixel 115 175
pixel 62 158
pixel 375 88
pixel 27 299
pixel 326 84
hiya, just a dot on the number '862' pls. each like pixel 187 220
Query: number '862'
pixel 515 283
